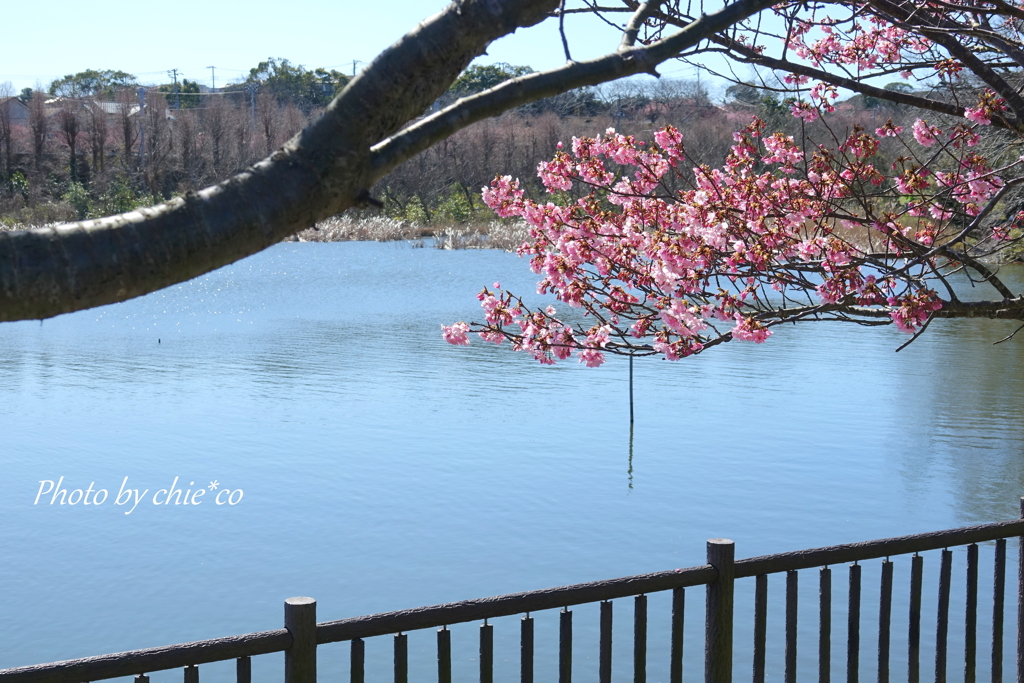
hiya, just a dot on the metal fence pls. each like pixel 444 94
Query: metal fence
pixel 302 634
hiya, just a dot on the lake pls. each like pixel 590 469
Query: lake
pixel 381 468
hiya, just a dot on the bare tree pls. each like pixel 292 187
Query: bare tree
pixel 6 93
pixel 268 119
pixel 187 132
pixel 156 120
pixel 293 120
pixel 242 131
pixel 215 123
pixel 127 125
pixel 39 124
pixel 97 130
pixel 68 129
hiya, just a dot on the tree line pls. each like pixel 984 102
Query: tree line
pixel 97 143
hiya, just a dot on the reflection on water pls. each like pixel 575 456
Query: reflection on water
pixel 385 469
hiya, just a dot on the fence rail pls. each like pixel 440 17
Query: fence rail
pixel 301 635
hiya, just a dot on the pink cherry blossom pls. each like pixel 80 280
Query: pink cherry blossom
pixel 456 334
pixel 924 134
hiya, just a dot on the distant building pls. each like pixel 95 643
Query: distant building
pixel 111 109
pixel 16 110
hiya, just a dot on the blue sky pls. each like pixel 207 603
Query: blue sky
pixel 148 39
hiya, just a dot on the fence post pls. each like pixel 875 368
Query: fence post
pixel 718 620
pixel 300 658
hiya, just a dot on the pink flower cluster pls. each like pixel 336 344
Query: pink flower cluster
pixel 729 255
pixel 911 311
pixel 989 105
pixel 863 45
pixel 924 134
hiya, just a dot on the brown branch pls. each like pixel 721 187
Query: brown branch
pixel 1007 309
pixel 531 87
pixel 642 14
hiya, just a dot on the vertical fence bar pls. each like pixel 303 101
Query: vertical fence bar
pixel 971 615
pixel 884 620
pixel 824 625
pixel 357 660
pixel 718 620
pixel 526 649
pixel 300 658
pixel 606 642
pixel 760 625
pixel 853 627
pixel 243 670
pixel 791 616
pixel 914 629
pixel 565 646
pixel 444 655
pixel 942 620
pixel 1020 601
pixel 675 674
pixel 142 678
pixel 640 639
pixel 998 598
pixel 401 658
pixel 192 674
pixel 486 652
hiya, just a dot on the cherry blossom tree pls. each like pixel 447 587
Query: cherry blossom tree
pixel 665 254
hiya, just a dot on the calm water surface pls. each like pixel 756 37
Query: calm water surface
pixel 383 469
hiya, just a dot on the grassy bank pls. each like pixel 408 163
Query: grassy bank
pixel 478 235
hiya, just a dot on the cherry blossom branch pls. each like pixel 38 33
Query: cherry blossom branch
pixel 931 27
pixel 744 244
pixel 854 85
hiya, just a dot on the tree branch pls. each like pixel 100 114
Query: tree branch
pixel 931 28
pixel 320 172
pixel 753 57
pixel 642 14
pixel 851 84
pixel 531 87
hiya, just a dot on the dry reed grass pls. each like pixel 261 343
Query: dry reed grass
pixel 493 235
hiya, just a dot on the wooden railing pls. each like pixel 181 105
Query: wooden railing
pixel 301 635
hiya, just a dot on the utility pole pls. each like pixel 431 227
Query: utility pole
pixel 252 101
pixel 177 94
pixel 213 80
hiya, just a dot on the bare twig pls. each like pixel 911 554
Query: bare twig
pixel 1009 336
pixel 561 31
pixel 917 334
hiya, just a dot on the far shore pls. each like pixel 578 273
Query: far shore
pixel 495 234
